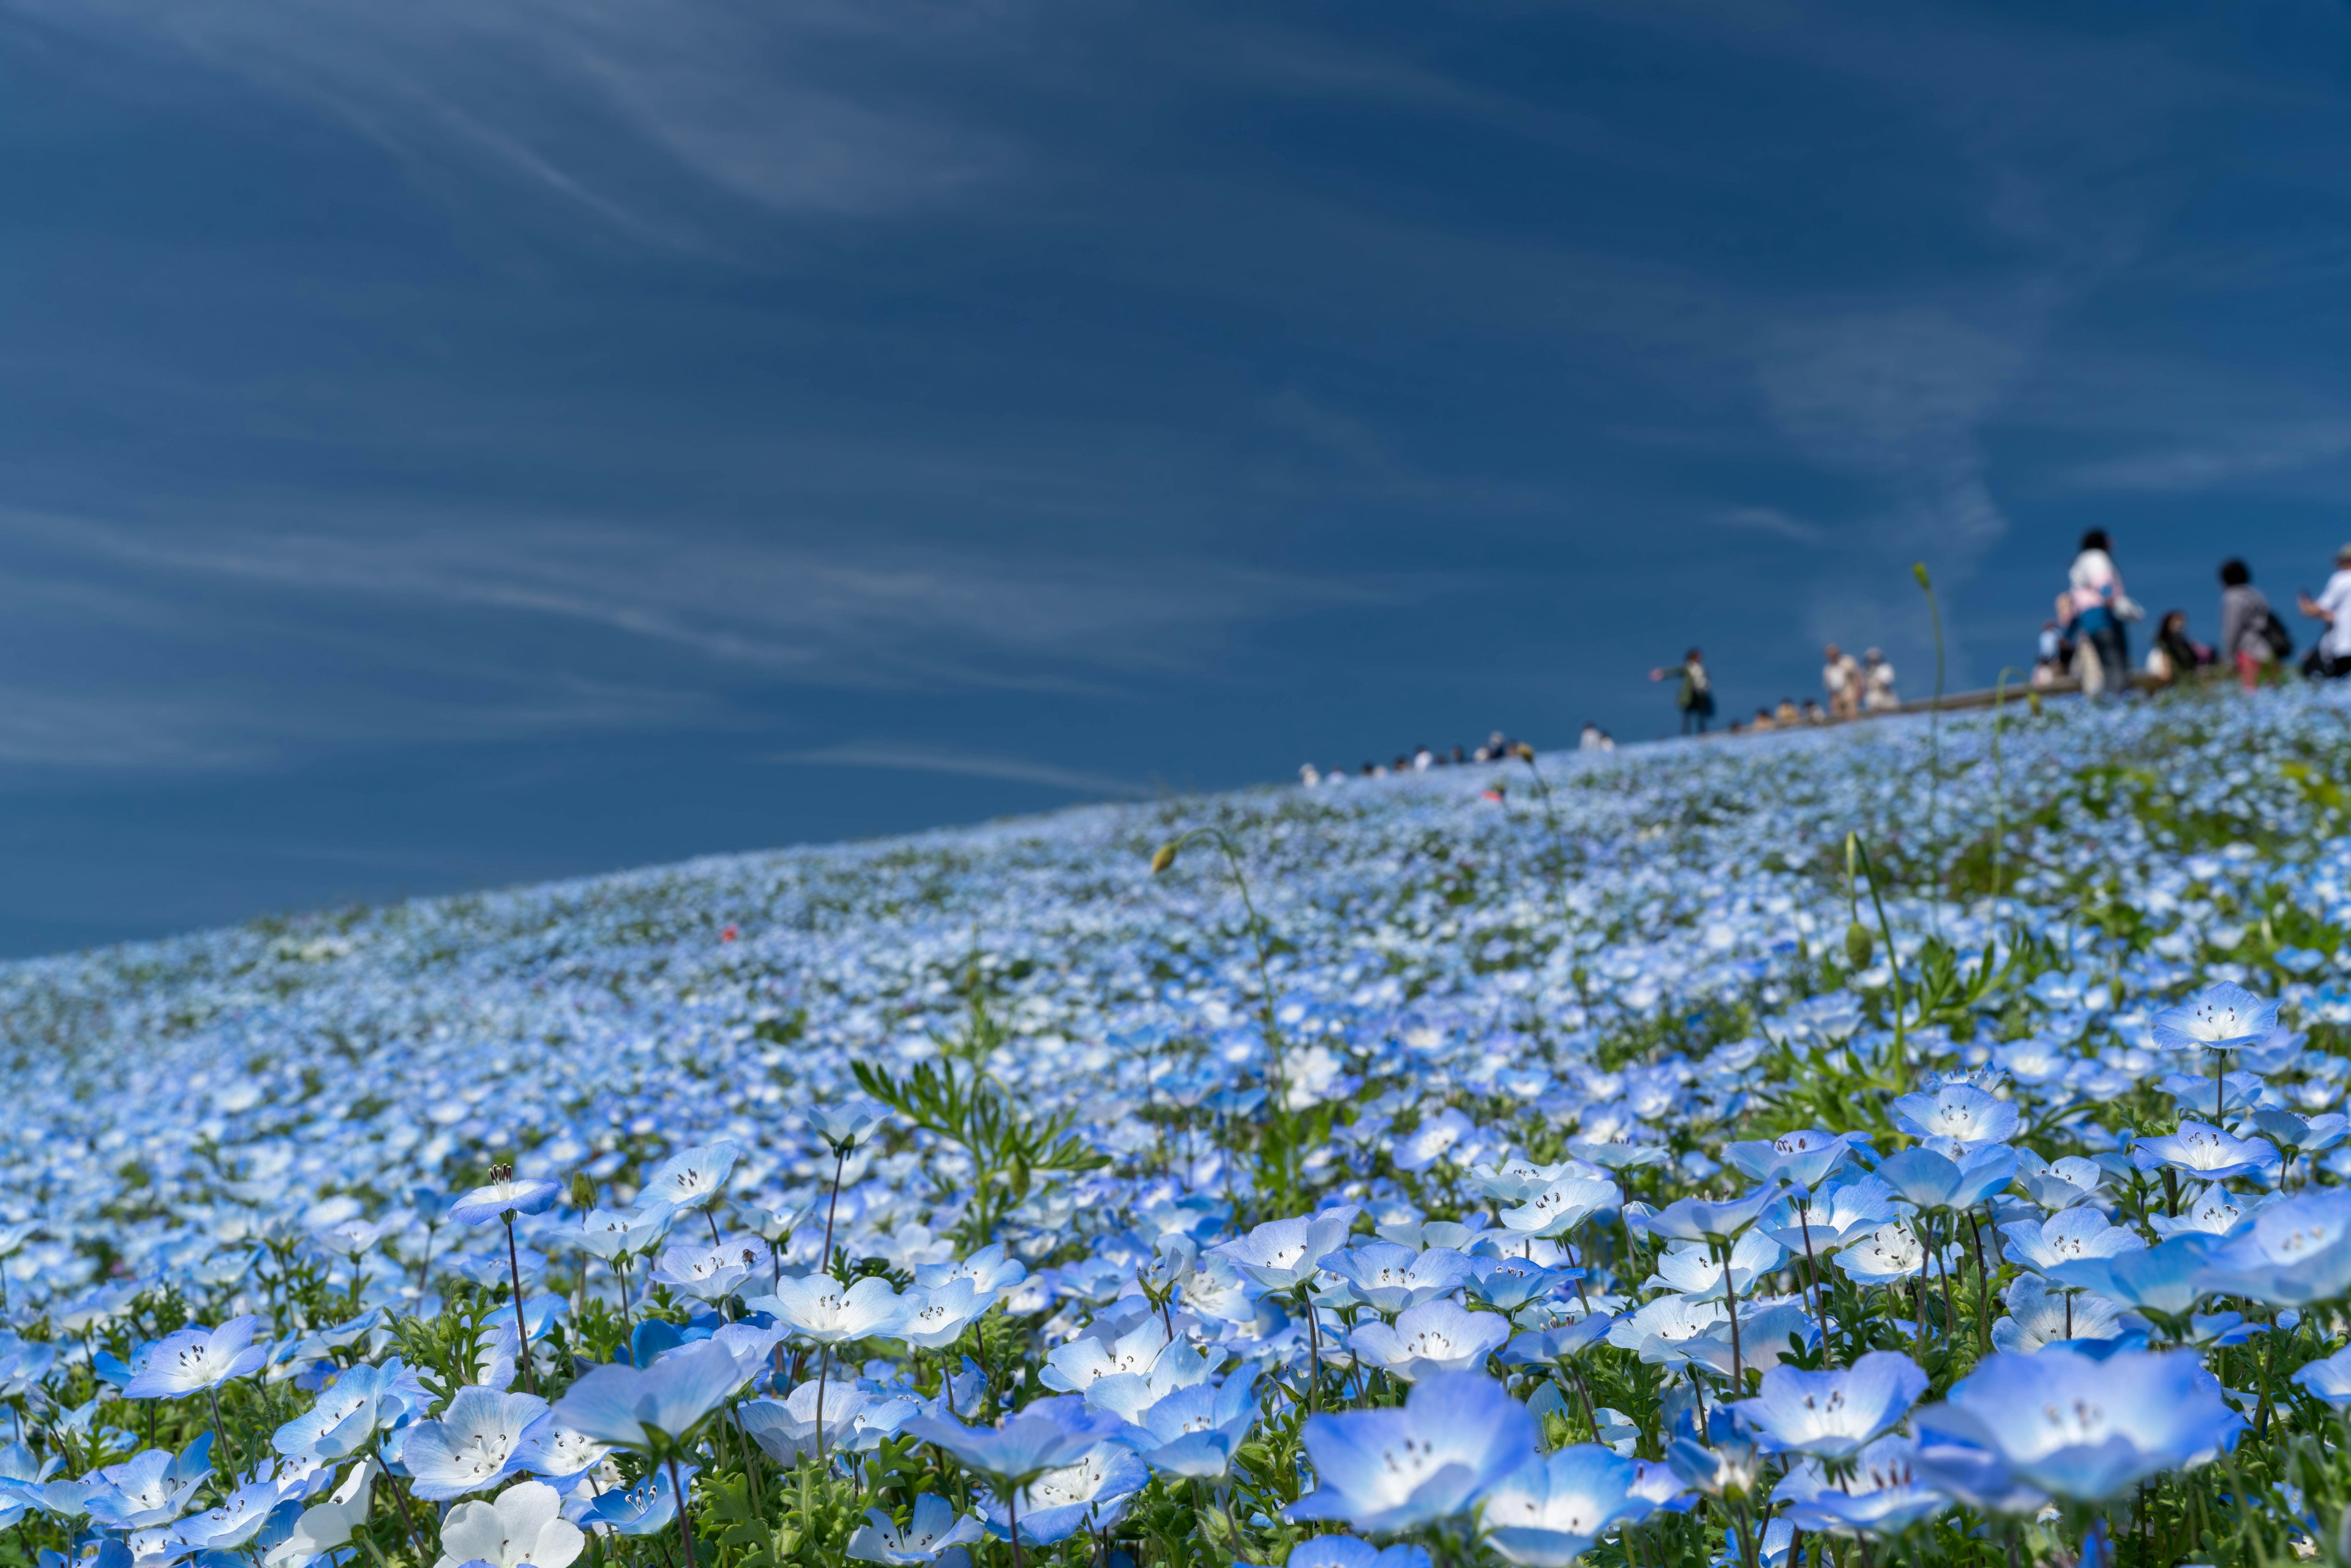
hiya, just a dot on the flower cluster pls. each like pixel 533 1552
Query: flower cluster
pixel 1840 1148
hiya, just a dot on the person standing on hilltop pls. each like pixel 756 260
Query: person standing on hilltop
pixel 2093 594
pixel 2245 622
pixel 1841 678
pixel 1696 698
pixel 2330 657
pixel 1877 694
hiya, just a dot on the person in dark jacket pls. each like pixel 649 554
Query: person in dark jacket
pixel 2244 624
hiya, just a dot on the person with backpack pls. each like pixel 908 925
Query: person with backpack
pixel 2330 657
pixel 2099 611
pixel 1696 698
pixel 2252 637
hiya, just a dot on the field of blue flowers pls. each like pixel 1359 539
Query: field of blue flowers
pixel 1911 1143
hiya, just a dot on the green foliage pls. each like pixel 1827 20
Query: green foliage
pixel 957 1099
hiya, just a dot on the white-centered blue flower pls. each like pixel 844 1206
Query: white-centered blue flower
pixel 649 1409
pixel 2205 1153
pixel 1433 1337
pixel 1388 1278
pixel 1833 1414
pixel 2041 1245
pixel 1551 1510
pixel 693 1178
pixel 496 1200
pixel 2222 1017
pixel 198 1360
pixel 473 1446
pixel 1456 1436
pixel 932 1526
pixel 1881 1493
pixel 2085 1429
pixel 2296 1252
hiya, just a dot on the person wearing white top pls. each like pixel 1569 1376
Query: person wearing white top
pixel 2331 657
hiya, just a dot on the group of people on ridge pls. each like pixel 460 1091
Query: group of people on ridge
pixel 1854 687
pixel 2089 637
pixel 2088 640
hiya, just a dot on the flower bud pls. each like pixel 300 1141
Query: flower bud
pixel 1163 858
pixel 1858 946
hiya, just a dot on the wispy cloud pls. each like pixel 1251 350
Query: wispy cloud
pixel 1770 521
pixel 907 757
pixel 784 609
pixel 799 109
pixel 2219 459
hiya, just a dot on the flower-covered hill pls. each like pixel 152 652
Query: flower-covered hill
pixel 1415 925
pixel 1391 1165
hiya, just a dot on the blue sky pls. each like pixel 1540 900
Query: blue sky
pixel 448 444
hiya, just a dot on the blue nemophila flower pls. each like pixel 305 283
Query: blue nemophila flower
pixel 1456 1436
pixel 1044 1435
pixel 1882 1493
pixel 1388 1278
pixel 692 1178
pixel 351 1410
pixel 510 1196
pixel 710 1273
pixel 2330 1379
pixel 613 1234
pixel 1090 1494
pixel 1836 1215
pixel 1347 1552
pixel 852 1419
pixel 1560 1208
pixel 2296 1251
pixel 2166 1280
pixel 1696 1267
pixel 2060 1183
pixel 1550 1511
pixel 1934 1180
pixel 1433 1337
pixel 819 1309
pixel 2197 1095
pixel 1282 1254
pixel 2222 1017
pixel 1889 1255
pixel 1127 1395
pixel 649 1409
pixel 1073 1367
pixel 2040 1316
pixel 1703 1220
pixel 1961 1114
pixel 1806 1158
pixel 2206 1153
pixel 524 1525
pixel 2041 1245
pixel 473 1446
pixel 1662 1332
pixel 844 1126
pixel 1193 1430
pixel 1541 1347
pixel 938 1317
pixel 646 1507
pixel 1508 1284
pixel 991 1271
pixel 932 1527
pixel 2304 1134
pixel 323 1526
pixel 1836 1413
pixel 2211 1209
pixel 2086 1428
pixel 199 1360
pixel 148 1488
